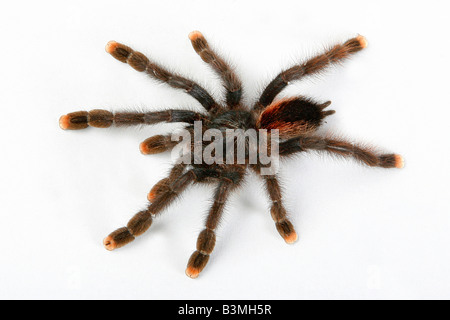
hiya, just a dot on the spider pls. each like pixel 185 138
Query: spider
pixel 296 119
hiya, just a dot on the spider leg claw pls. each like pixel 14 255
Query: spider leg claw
pixel 74 121
pixel 109 243
pixel 196 264
pixel 194 35
pixel 291 238
pixel 118 239
pixel 399 161
pixel 391 161
pixel 111 46
pixel 192 272
pixel 286 231
pixel 362 41
pixel 155 144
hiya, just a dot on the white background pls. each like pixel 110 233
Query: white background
pixel 364 233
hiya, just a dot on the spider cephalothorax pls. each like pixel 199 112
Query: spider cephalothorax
pixel 295 120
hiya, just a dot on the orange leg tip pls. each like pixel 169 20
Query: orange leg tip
pixel 194 35
pixel 111 46
pixel 362 41
pixel 291 238
pixel 192 272
pixel 399 161
pixel 64 122
pixel 144 148
pixel 109 243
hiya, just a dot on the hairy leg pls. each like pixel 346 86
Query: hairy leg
pixel 142 64
pixel 104 119
pixel 207 238
pixel 334 55
pixel 278 212
pixel 142 221
pixel 340 147
pixel 232 83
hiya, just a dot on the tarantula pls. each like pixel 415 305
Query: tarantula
pixel 296 120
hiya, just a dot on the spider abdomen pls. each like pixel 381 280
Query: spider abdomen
pixel 293 116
